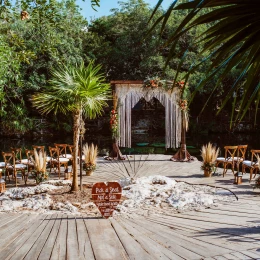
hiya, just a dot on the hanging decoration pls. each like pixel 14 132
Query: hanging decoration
pixel 182 154
pixel 114 123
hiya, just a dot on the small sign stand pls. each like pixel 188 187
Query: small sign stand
pixel 106 196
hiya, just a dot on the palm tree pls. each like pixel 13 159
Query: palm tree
pixel 81 91
pixel 231 41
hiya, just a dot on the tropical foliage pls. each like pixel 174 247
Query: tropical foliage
pixel 80 91
pixel 231 42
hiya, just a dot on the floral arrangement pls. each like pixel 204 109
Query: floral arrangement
pixel 114 123
pixel 154 82
pixel 24 15
pixel 183 103
pixel 89 167
pixel 208 166
pixel 40 176
pixel 180 84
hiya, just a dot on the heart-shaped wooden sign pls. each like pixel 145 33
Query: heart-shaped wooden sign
pixel 106 196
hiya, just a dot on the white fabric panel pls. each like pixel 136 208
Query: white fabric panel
pixel 130 94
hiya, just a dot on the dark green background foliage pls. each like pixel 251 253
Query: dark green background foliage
pixel 57 34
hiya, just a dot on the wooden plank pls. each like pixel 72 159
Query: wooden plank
pixel 220 258
pixel 39 243
pixel 190 244
pixel 132 247
pixel 11 230
pixel 158 250
pixel 239 255
pixel 251 254
pixel 212 231
pixel 256 251
pixel 231 257
pixel 12 248
pixel 72 239
pixel 85 248
pixel 246 232
pixel 48 246
pixel 104 240
pixel 60 246
pixel 6 220
pixel 167 237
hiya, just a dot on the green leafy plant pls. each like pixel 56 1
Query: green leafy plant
pixel 114 123
pixel 80 91
pixel 230 42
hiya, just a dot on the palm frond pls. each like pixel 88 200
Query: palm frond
pixel 232 39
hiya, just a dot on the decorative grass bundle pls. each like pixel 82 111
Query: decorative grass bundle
pixel 40 164
pixel 40 161
pixel 90 152
pixel 209 154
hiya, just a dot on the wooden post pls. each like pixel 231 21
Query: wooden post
pixel 116 153
pixel 182 155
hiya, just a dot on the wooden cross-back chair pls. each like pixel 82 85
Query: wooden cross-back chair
pixel 18 154
pixel 63 151
pixel 56 161
pixel 252 165
pixel 41 148
pixel 241 154
pixel 29 161
pixel 230 152
pixel 11 167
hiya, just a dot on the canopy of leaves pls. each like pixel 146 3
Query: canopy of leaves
pixel 231 42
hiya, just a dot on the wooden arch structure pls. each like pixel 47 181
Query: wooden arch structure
pixel 129 93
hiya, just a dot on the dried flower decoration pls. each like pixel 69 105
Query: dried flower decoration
pixel 24 15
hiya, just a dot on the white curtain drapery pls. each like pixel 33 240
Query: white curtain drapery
pixel 128 96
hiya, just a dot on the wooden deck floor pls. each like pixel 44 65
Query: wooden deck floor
pixel 230 231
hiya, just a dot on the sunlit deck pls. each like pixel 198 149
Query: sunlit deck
pixel 230 231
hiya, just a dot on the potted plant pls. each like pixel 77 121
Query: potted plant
pixel 209 154
pixel 90 158
pixel 40 163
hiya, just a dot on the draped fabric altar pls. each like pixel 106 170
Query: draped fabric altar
pixel 128 96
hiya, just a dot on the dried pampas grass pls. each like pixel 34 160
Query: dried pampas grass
pixel 90 152
pixel 40 161
pixel 209 153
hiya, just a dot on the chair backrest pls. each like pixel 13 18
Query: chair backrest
pixel 230 151
pixel 255 154
pixel 29 155
pixel 54 153
pixel 71 148
pixel 39 148
pixel 17 153
pixel 9 159
pixel 62 149
pixel 241 151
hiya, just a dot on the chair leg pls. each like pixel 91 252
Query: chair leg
pixel 233 169
pixel 225 170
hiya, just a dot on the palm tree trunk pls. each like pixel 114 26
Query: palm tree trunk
pixel 76 133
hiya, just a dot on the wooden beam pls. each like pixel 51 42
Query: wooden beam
pixel 113 82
